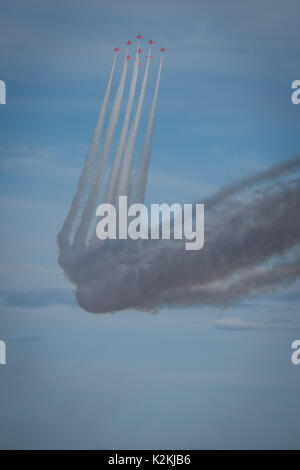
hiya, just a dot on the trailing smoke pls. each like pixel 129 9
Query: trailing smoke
pixel 124 177
pixel 87 172
pixel 144 159
pixel 111 191
pixel 90 208
pixel 248 244
pixel 252 230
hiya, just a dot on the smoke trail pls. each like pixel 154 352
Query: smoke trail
pixel 144 160
pixel 151 277
pixel 259 281
pixel 89 210
pixel 225 195
pixel 85 177
pixel 276 171
pixel 124 179
pixel 262 229
pixel 115 170
pixel 237 258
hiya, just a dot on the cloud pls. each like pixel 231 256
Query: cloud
pixel 43 161
pixel 174 184
pixel 36 299
pixel 238 324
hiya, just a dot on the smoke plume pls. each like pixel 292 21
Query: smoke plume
pixel 89 210
pixel 126 169
pixel 87 172
pixel 144 159
pixel 110 194
pixel 252 230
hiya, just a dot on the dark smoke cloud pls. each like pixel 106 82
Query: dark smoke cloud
pixel 251 228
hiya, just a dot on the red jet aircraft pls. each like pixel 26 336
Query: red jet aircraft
pixel 116 49
pixel 139 36
pixel 128 42
pixel 163 49
pixel 128 57
pixel 151 42
pixel 139 51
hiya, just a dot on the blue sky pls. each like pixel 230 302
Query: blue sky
pixel 136 380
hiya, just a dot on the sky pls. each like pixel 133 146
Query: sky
pixel 184 378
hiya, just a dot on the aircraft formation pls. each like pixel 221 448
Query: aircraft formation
pixel 139 37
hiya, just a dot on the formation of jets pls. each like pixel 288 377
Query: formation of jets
pixel 116 49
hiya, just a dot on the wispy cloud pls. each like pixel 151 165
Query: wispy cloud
pixel 38 298
pixel 238 324
pixel 43 162
pixel 179 184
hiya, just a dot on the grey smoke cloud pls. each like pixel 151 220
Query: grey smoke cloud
pixel 251 227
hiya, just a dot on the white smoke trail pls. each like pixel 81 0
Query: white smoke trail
pixel 115 170
pixel 89 210
pixel 124 178
pixel 87 172
pixel 144 159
